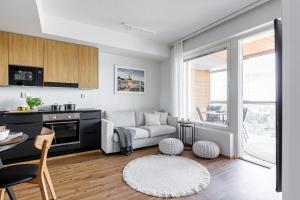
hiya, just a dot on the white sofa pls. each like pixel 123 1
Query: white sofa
pixel 144 135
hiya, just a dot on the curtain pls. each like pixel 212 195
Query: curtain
pixel 180 81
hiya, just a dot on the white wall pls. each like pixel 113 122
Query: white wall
pixel 291 99
pixel 253 18
pixel 102 98
pixel 165 84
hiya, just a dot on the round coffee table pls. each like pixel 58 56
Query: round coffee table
pixel 25 137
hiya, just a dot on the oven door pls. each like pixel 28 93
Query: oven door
pixel 66 132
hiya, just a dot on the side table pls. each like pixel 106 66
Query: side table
pixel 184 126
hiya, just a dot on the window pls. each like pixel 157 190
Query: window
pixel 208 88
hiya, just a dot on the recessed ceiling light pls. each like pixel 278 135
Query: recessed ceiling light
pixel 137 28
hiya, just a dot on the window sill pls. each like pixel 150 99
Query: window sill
pixel 211 126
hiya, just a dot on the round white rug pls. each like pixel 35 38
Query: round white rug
pixel 166 176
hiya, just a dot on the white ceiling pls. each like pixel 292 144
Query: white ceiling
pixel 98 22
pixel 209 63
pixel 171 19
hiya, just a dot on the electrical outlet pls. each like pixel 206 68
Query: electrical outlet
pixel 24 95
pixel 83 96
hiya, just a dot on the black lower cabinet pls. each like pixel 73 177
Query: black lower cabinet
pixel 90 130
pixel 89 140
pixel 31 129
pixel 24 150
pixel 2 122
pixel 31 124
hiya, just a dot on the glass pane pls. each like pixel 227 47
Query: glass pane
pixel 208 88
pixel 259 78
pixel 259 97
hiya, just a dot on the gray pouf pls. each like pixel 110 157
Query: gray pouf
pixel 170 146
pixel 206 149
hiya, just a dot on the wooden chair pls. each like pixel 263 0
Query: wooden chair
pixel 31 173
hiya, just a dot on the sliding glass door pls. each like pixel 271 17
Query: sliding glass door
pixel 259 99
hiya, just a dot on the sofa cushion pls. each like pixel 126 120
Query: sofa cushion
pixel 121 118
pixel 139 133
pixel 163 118
pixel 159 130
pixel 139 116
pixel 152 119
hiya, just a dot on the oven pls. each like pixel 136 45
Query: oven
pixel 65 126
pixel 25 76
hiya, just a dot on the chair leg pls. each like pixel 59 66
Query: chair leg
pixel 49 182
pixel 11 193
pixel 43 188
pixel 2 194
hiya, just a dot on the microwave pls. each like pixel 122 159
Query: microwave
pixel 25 76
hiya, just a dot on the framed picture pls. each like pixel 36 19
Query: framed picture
pixel 129 80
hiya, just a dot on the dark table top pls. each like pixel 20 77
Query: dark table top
pixel 9 146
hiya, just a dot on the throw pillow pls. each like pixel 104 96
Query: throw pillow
pixel 139 116
pixel 152 119
pixel 163 118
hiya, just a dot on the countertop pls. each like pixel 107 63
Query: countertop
pixel 49 111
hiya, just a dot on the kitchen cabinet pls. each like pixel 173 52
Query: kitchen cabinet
pixel 90 129
pixel 31 123
pixel 2 122
pixel 3 58
pixel 26 50
pixel 88 67
pixel 60 62
pixel 21 151
pixel 65 64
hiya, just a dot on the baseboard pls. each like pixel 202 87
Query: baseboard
pixel 36 159
pixel 227 157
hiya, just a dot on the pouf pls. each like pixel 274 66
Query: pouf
pixel 170 146
pixel 206 149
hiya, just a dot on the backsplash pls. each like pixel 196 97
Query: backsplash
pixel 12 96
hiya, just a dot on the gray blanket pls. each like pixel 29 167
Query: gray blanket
pixel 125 140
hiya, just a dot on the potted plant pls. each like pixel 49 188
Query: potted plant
pixel 33 102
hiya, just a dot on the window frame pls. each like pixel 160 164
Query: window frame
pixel 207 51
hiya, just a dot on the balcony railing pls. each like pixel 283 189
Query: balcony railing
pixel 261 118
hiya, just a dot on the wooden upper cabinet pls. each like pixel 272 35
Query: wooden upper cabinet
pixel 26 50
pixel 3 58
pixel 60 62
pixel 88 67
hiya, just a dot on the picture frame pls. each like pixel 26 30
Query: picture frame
pixel 130 80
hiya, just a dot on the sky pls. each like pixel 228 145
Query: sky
pixel 137 75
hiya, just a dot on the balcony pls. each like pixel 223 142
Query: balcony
pixel 260 130
pixel 259 126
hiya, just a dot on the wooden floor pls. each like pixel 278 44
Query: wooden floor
pixel 95 176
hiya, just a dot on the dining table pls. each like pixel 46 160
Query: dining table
pixel 7 147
